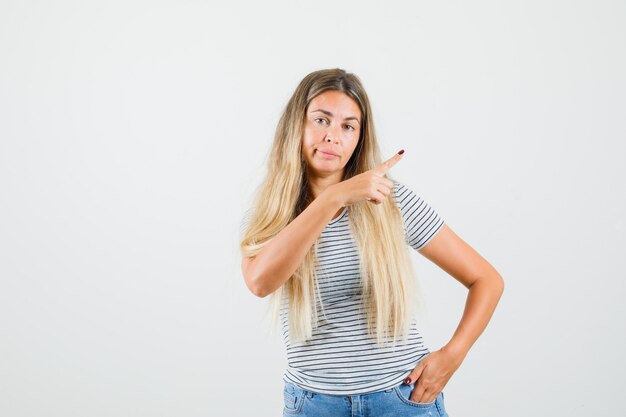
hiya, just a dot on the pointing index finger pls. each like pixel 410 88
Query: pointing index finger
pixel 385 166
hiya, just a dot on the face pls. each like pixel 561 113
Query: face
pixel 331 132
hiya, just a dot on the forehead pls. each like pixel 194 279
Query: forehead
pixel 337 101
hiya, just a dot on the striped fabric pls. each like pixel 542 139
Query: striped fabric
pixel 340 359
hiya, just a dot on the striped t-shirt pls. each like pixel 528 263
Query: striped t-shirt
pixel 340 358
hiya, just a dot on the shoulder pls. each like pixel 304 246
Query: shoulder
pixel 409 201
pixel 421 220
pixel 402 194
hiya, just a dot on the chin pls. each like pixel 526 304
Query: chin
pixel 325 170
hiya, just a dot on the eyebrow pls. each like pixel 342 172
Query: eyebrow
pixel 326 112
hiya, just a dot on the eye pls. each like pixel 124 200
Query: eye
pixel 320 118
pixel 351 127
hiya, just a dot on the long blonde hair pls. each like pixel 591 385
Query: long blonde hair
pixel 388 280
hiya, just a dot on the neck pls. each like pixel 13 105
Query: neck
pixel 320 183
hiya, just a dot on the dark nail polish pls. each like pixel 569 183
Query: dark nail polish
pixel 407 381
pixel 401 152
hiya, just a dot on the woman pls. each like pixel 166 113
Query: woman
pixel 328 237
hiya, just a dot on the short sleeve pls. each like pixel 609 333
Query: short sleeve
pixel 421 221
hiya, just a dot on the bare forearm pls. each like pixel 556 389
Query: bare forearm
pixel 282 256
pixel 481 302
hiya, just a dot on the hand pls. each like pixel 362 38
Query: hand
pixel 432 374
pixel 370 185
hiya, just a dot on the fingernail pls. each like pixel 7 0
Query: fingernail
pixel 401 152
pixel 407 381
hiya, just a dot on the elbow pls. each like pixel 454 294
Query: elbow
pixel 494 282
pixel 251 278
pixel 254 287
pixel 257 279
pixel 259 292
pixel 500 285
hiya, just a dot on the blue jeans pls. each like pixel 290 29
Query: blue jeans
pixel 392 402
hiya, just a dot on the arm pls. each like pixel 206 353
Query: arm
pixel 280 258
pixel 462 262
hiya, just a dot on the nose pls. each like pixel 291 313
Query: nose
pixel 332 136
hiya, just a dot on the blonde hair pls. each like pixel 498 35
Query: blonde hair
pixel 387 277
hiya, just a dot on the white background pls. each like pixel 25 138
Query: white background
pixel 133 134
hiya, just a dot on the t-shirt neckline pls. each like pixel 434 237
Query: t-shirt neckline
pixel 343 212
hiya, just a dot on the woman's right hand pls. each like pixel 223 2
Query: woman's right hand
pixel 369 185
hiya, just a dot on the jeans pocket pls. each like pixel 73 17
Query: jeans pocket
pixel 293 397
pixel 404 392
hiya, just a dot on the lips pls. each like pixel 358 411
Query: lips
pixel 327 152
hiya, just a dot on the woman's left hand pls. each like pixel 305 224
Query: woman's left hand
pixel 433 373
